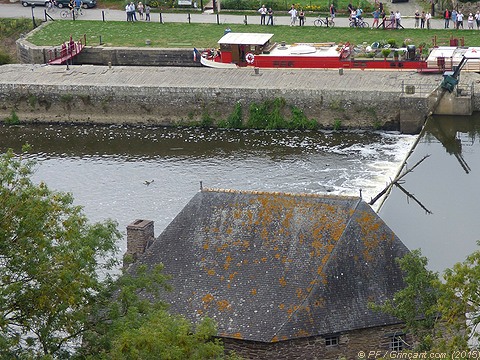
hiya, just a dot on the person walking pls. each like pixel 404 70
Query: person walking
pixel 477 19
pixel 376 17
pixel 263 14
pixel 332 11
pixel 270 16
pixel 446 16
pixel 293 15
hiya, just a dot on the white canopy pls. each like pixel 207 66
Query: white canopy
pixel 245 39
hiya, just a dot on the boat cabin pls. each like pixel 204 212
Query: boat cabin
pixel 240 48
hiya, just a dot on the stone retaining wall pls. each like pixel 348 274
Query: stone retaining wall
pixel 180 105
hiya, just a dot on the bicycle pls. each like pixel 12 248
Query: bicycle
pixel 323 21
pixel 69 13
pixel 359 23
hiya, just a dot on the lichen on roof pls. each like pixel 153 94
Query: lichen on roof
pixel 270 266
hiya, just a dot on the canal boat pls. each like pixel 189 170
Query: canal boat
pixel 258 50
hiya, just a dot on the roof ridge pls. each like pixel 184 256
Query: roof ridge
pixel 318 275
pixel 262 192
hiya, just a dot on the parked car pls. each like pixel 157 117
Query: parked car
pixel 86 3
pixel 35 2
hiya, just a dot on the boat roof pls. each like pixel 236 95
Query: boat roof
pixel 245 38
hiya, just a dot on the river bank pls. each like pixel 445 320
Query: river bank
pixel 179 96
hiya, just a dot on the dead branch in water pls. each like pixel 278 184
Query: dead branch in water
pixel 396 181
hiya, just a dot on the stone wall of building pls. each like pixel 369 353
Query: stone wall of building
pixel 349 346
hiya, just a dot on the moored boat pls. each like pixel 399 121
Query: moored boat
pixel 258 50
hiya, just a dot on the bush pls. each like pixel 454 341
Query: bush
pixel 5 58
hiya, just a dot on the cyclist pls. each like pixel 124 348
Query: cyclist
pixel 358 15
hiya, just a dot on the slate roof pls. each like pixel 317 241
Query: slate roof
pixel 273 266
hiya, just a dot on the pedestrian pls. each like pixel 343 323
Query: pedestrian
pixel 301 18
pixel 350 10
pixel 446 16
pixel 398 19
pixel 140 10
pixel 332 13
pixel 376 16
pixel 270 16
pixel 417 19
pixel 293 15
pixel 422 20
pixel 470 21
pixel 147 12
pixel 459 20
pixel 127 11
pixel 263 14
pixel 477 19
pixel 428 16
pixel 453 16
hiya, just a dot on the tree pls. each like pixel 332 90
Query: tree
pixel 460 303
pixel 416 303
pixel 58 298
pixel 51 259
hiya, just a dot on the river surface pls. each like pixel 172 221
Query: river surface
pixel 446 226
pixel 106 169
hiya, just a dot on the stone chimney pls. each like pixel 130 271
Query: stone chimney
pixel 140 235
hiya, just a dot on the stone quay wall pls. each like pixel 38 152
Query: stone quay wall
pixel 159 105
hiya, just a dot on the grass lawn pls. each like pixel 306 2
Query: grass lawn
pixel 175 35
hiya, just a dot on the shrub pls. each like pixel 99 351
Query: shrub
pixel 12 119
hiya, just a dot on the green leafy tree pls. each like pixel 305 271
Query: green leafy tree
pixel 460 303
pixel 58 298
pixel 416 303
pixel 50 261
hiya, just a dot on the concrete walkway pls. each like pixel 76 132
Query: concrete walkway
pixel 16 10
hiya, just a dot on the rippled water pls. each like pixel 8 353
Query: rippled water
pixel 446 184
pixel 106 167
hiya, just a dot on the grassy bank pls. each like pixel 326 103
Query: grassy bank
pixel 10 31
pixel 175 35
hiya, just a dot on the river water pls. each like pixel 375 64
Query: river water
pixel 106 169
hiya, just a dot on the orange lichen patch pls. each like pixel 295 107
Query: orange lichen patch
pixel 320 270
pixel 228 260
pixel 223 305
pixel 222 247
pixel 237 336
pixel 320 302
pixel 282 281
pixel 199 311
pixel 281 306
pixel 325 259
pixel 301 333
pixel 324 278
pixel 232 275
pixel 264 234
pixel 253 291
pixel 275 339
pixel 229 231
pixel 317 245
pixel 206 246
pixel 211 272
pixel 207 299
pixel 264 259
pixel 246 243
pixel 222 278
pixel 299 293
pixel 277 256
pixel 292 309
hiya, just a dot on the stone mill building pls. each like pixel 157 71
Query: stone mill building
pixel 285 276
